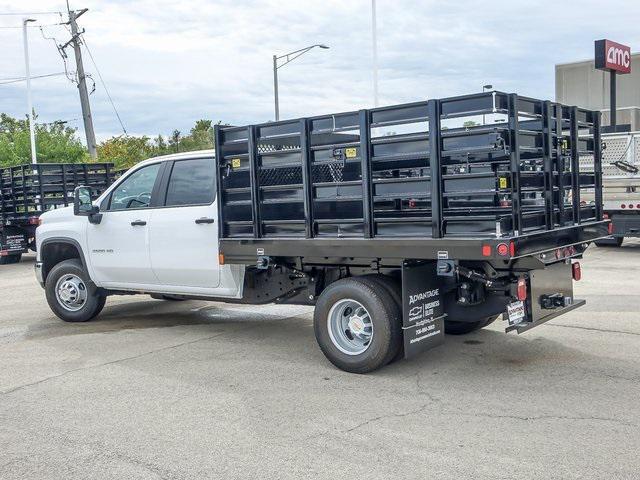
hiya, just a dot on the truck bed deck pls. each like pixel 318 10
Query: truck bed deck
pixel 411 173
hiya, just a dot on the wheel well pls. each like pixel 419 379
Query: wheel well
pixel 55 252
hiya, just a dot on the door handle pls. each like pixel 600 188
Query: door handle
pixel 138 223
pixel 202 220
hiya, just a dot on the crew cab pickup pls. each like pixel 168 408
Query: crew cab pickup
pixel 397 223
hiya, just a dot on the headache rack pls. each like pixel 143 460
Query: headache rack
pixel 488 165
pixel 26 191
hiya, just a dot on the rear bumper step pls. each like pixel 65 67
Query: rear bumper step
pixel 523 327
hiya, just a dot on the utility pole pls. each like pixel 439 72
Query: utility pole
pixel 82 80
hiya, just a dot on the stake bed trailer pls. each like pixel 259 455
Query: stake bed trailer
pixel 397 223
pixel 392 189
pixel 27 191
pixel 621 185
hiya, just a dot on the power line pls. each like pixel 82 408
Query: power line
pixel 5 81
pixel 23 78
pixel 104 85
pixel 63 55
pixel 33 26
pixel 31 13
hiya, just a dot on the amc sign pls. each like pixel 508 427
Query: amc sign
pixel 613 56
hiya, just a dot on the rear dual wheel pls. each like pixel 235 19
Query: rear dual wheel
pixel 358 324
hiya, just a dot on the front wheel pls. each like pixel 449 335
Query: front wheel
pixel 357 325
pixel 71 294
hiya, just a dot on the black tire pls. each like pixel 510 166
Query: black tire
pixel 385 317
pixel 10 259
pixel 95 299
pixel 452 327
pixel 390 284
pixel 610 242
pixel 394 288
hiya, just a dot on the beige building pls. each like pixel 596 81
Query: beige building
pixel 579 83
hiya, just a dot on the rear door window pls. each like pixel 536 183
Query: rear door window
pixel 191 183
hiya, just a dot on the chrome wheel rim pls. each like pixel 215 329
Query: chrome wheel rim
pixel 350 327
pixel 71 292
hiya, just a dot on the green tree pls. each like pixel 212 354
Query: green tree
pixel 174 141
pixel 126 151
pixel 55 143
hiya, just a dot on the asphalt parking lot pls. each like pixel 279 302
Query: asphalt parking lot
pixel 156 389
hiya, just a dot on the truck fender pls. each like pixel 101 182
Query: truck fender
pixel 60 254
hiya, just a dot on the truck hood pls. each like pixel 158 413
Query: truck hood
pixel 57 214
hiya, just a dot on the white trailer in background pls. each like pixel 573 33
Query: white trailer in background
pixel 621 185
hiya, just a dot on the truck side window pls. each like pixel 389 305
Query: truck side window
pixel 135 190
pixel 191 183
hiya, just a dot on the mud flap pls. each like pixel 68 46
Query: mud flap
pixel 13 242
pixel 422 308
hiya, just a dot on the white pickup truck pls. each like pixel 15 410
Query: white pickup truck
pixel 320 211
pixel 152 234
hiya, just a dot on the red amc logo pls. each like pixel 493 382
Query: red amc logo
pixel 613 56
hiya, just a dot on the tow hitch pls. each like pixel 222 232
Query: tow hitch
pixel 554 300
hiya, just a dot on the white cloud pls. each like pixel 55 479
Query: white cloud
pixel 170 63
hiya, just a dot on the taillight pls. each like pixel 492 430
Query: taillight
pixel 221 258
pixel 576 271
pixel 34 221
pixel 623 206
pixel 522 289
pixel 610 228
pixel 502 249
pixel 512 249
pixel 486 250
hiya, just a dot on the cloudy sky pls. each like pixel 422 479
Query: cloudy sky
pixel 169 63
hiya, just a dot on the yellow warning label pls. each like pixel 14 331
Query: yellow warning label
pixel 350 152
pixel 503 182
pixel 235 163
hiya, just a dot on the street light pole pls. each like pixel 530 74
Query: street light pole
pixel 374 39
pixel 32 133
pixel 275 86
pixel 289 57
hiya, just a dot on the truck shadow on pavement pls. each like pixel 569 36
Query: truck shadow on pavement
pixel 287 332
